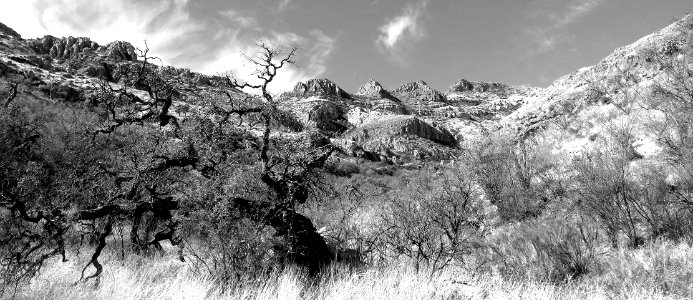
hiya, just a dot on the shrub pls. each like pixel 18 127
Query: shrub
pixel 514 176
pixel 554 250
pixel 436 218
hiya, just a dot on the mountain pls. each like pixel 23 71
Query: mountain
pixel 412 122
pixel 623 92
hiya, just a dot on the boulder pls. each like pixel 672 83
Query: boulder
pixel 319 87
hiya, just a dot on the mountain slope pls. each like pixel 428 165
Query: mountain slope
pixel 568 116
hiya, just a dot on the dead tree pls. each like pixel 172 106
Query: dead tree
pixel 287 177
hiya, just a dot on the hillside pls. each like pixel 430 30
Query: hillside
pixel 172 181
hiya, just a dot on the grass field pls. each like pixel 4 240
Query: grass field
pixel 660 270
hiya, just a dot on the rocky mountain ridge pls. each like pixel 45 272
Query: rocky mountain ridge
pixel 412 121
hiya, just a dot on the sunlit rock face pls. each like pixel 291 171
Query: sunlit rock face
pixel 571 116
pixel 319 87
pixel 373 89
pixel 76 47
pixel 413 92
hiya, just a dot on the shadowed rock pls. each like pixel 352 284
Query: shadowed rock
pixel 4 29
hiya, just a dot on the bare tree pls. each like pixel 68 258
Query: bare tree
pixel 286 171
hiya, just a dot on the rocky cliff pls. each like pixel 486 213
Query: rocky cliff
pixel 567 116
pixel 418 91
pixel 373 89
pixel 9 31
pixel 74 47
pixel 319 87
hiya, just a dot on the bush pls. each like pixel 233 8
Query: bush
pixel 624 198
pixel 514 176
pixel 436 218
pixel 554 250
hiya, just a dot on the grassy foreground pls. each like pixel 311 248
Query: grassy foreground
pixel 659 271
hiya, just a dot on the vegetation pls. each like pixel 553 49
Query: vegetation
pixel 110 194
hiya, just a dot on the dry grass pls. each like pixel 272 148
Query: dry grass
pixel 659 271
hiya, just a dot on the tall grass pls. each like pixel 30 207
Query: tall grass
pixel 661 270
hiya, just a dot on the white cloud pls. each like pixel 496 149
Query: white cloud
pixel 283 4
pixel 545 37
pixel 312 60
pixel 239 18
pixel 209 44
pixel 399 34
pixel 161 23
pixel 575 11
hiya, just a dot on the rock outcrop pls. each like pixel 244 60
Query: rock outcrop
pixel 318 113
pixel 5 30
pixel 63 48
pixel 319 87
pixel 464 85
pixel 386 126
pixel 418 91
pixel 389 105
pixel 74 47
pixel 120 50
pixel 373 89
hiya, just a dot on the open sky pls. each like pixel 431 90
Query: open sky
pixel 520 42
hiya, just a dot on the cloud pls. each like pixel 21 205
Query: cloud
pixel 311 61
pixel 209 43
pixel 546 36
pixel 399 34
pixel 576 10
pixel 165 25
pixel 239 18
pixel 283 5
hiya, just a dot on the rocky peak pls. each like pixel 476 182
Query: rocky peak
pixel 464 85
pixel 373 89
pixel 419 90
pixel 319 87
pixel 62 48
pixel 73 47
pixel 120 50
pixel 4 29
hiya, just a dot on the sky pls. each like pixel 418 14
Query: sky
pixel 518 42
